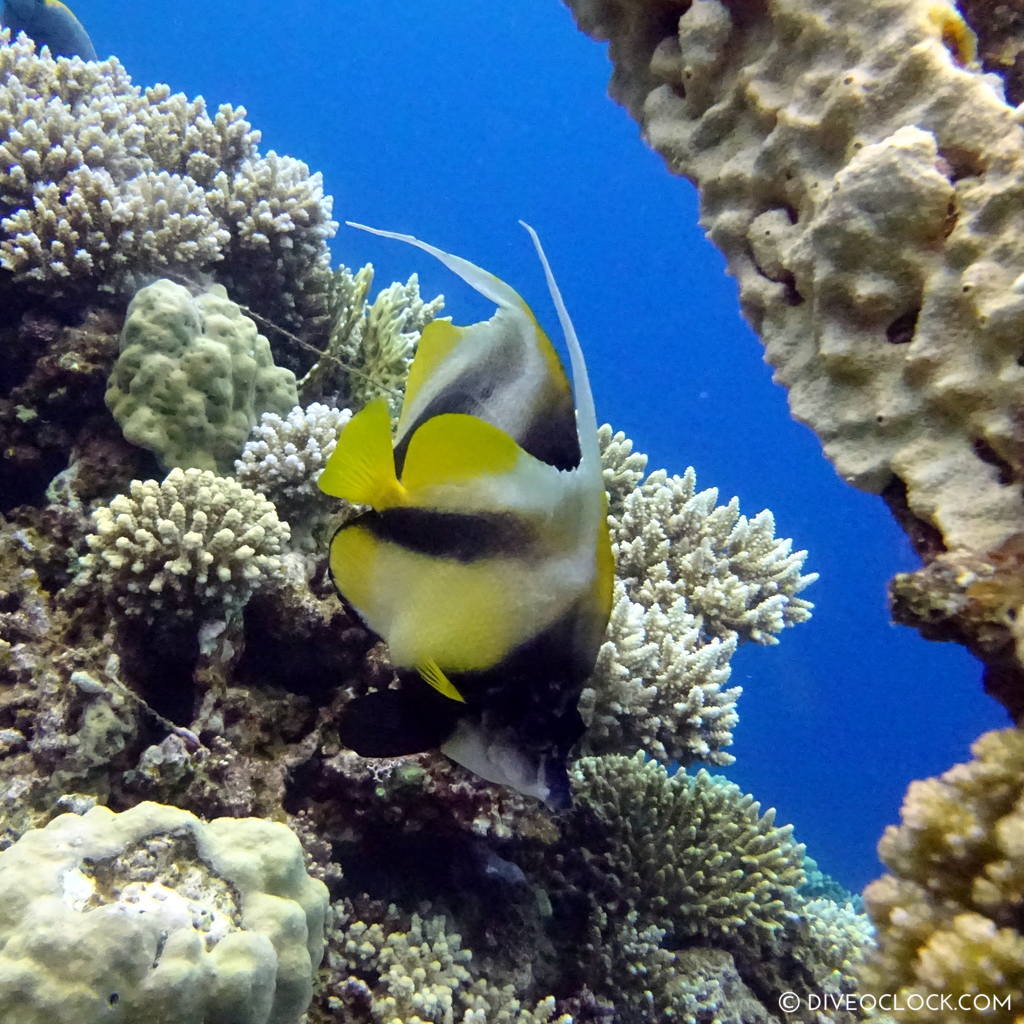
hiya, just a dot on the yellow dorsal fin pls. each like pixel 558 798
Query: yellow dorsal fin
pixel 432 673
pixel 362 467
pixel 454 447
pixel 438 339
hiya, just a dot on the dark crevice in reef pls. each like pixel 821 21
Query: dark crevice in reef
pixel 158 662
pixel 999 26
pixel 901 330
pixel 991 457
pixel 925 538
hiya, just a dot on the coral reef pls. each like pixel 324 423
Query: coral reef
pixel 284 457
pixel 104 185
pixel 949 914
pixel 194 544
pixel 815 133
pixel 158 914
pixel 693 580
pixel 193 376
pixel 370 345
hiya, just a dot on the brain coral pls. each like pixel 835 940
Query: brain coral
pixel 152 914
pixel 193 376
pixel 194 544
pixel 862 177
pixel 103 185
pixel 949 914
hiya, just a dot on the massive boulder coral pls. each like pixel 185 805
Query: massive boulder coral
pixel 154 914
pixel 104 185
pixel 693 580
pixel 861 175
pixel 193 376
pixel 949 914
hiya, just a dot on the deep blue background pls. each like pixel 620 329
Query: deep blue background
pixel 449 120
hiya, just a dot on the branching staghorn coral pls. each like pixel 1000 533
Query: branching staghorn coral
pixel 948 915
pixel 415 969
pixel 861 174
pixel 693 579
pixel 194 544
pixel 370 345
pixel 104 185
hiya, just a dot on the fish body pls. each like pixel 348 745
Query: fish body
pixel 484 562
pixel 49 23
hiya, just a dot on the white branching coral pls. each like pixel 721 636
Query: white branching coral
pixel 103 185
pixel 693 580
pixel 192 545
pixel 284 457
pixel 371 345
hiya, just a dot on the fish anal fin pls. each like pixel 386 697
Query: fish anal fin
pixel 455 447
pixel 433 674
pixel 362 467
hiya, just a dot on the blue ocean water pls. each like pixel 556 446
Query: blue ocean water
pixel 450 120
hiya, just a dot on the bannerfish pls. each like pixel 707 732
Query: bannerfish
pixel 484 561
pixel 49 23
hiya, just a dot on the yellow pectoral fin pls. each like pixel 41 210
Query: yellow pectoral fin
pixel 432 673
pixel 455 447
pixel 362 467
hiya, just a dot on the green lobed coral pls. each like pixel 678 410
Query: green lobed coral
pixel 153 914
pixel 193 376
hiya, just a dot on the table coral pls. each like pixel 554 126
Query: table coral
pixel 861 176
pixel 105 185
pixel 693 580
pixel 155 914
pixel 192 545
pixel 949 913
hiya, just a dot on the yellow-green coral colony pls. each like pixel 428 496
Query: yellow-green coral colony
pixel 485 561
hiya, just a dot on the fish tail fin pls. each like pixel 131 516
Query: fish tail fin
pixel 362 467
pixel 586 416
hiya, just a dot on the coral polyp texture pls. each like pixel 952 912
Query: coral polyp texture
pixel 285 455
pixel 104 185
pixel 194 544
pixel 693 580
pixel 860 173
pixel 153 914
pixel 193 376
pixel 948 915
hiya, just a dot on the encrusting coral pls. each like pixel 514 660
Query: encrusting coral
pixel 693 580
pixel 860 173
pixel 104 185
pixel 948 915
pixel 193 376
pixel 153 914
pixel 194 545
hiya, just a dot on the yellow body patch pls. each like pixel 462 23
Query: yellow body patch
pixel 455 447
pixel 436 343
pixel 353 560
pixel 362 466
